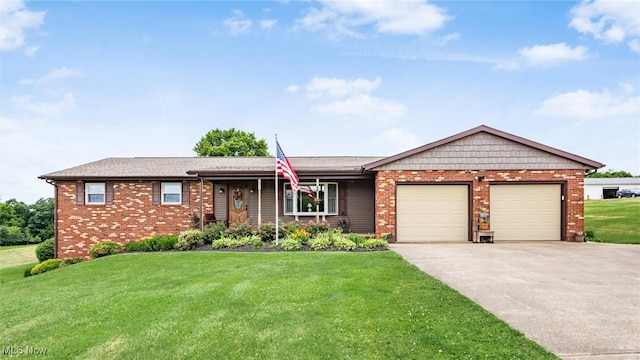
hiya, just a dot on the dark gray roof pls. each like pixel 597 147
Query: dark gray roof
pixel 191 167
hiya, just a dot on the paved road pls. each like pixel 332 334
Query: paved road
pixel 578 300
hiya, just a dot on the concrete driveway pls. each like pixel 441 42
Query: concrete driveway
pixel 578 300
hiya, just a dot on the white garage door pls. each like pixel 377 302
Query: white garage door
pixel 525 212
pixel 427 213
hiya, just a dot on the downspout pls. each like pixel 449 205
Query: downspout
pixel 55 217
pixel 589 172
pixel 201 204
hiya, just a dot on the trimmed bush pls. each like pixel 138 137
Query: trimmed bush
pixel 375 244
pixel 45 266
pixel 27 271
pixel 344 244
pixel 189 240
pixel 133 246
pixel 266 232
pixel 290 244
pixel 45 250
pixel 213 231
pixel 238 231
pixel 317 228
pixel 105 248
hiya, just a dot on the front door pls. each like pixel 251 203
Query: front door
pixel 238 206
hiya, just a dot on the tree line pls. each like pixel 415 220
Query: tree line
pixel 26 224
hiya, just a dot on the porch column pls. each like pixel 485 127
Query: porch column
pixel 259 201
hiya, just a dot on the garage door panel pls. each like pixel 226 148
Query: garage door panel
pixel 427 213
pixel 526 212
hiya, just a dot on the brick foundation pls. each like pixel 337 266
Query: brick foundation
pixel 386 191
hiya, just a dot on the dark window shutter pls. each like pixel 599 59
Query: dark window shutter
pixel 108 193
pixel 185 193
pixel 155 193
pixel 342 198
pixel 80 193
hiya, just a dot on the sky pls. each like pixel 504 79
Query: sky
pixel 86 80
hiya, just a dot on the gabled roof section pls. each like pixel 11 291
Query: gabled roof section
pixel 193 167
pixel 529 154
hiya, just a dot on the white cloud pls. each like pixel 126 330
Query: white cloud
pixel 52 108
pixel 447 39
pixel 319 86
pixel 363 105
pixel 30 51
pixel 609 21
pixel 415 17
pixel 14 20
pixel 584 104
pixel 292 89
pixel 238 25
pixel 55 74
pixel 268 23
pixel 634 45
pixel 398 139
pixel 544 56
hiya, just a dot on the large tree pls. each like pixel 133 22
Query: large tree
pixel 230 142
pixel 611 174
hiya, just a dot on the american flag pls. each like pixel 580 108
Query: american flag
pixel 284 168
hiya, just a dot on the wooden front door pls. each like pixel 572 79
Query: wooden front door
pixel 238 206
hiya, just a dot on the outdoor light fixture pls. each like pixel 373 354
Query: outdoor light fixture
pixel 251 190
pixel 480 178
pixel 221 191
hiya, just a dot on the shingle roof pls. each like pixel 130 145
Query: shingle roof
pixel 190 167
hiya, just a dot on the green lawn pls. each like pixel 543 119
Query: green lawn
pixel 613 220
pixel 11 256
pixel 224 305
pixel 15 272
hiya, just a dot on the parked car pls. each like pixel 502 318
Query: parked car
pixel 629 193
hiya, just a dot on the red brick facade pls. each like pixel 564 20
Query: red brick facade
pixel 132 216
pixel 573 181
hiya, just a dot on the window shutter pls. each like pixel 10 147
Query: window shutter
pixel 108 193
pixel 155 193
pixel 185 193
pixel 80 193
pixel 342 198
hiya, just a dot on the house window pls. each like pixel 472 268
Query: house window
pixel 311 198
pixel 171 193
pixel 94 193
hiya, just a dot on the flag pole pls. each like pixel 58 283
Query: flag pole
pixel 277 225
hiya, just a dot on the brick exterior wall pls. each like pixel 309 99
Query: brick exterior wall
pixel 386 191
pixel 132 216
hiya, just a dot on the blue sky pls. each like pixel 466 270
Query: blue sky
pixel 81 81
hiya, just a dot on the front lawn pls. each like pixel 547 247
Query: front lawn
pixel 613 220
pixel 221 305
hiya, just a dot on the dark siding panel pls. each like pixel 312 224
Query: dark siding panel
pixel 343 209
pixel 108 193
pixel 80 193
pixel 155 193
pixel 361 206
pixel 220 201
pixel 185 193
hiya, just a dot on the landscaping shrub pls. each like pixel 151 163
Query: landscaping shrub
pixel 45 250
pixel 358 239
pixel 133 246
pixel 344 244
pixel 290 244
pixel 289 228
pixel 27 271
pixel 374 244
pixel 321 241
pixel 301 235
pixel 590 235
pixel 254 241
pixel 105 248
pixel 189 240
pixel 71 261
pixel 239 231
pixel 45 266
pixel 213 231
pixel 316 228
pixel 266 232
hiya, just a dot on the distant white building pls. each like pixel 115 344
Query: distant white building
pixel 606 188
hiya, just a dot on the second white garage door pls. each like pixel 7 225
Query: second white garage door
pixel 430 213
pixel 526 212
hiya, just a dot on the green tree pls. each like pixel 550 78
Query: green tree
pixel 611 174
pixel 230 142
pixel 22 210
pixel 8 216
pixel 41 221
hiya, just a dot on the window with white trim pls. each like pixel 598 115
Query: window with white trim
pixel 171 193
pixel 94 193
pixel 304 201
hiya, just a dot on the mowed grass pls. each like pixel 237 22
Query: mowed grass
pixel 11 256
pixel 224 305
pixel 15 272
pixel 613 220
